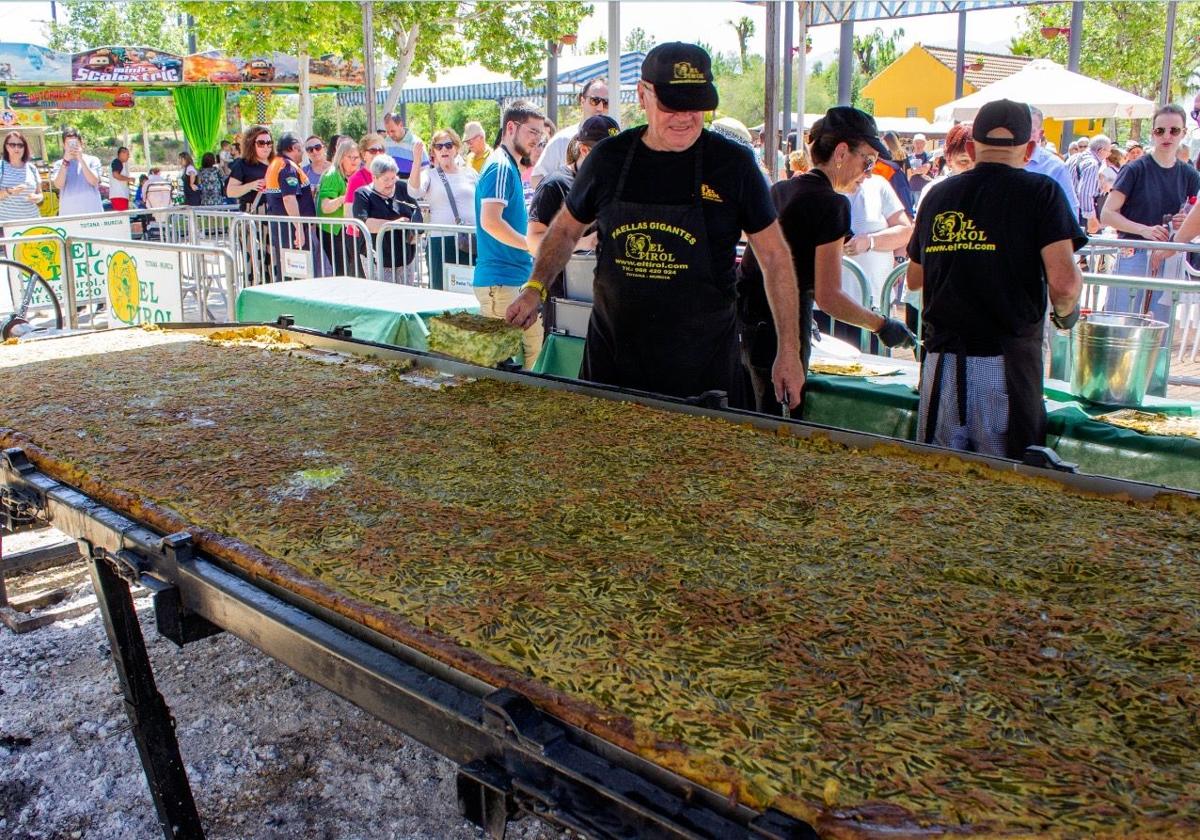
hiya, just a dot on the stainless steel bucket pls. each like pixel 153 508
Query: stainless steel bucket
pixel 1114 354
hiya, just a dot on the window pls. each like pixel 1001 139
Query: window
pixel 911 112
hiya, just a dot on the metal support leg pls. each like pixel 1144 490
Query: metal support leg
pixel 153 726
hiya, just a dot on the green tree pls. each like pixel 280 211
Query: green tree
pixel 597 46
pixel 1122 43
pixel 875 51
pixel 744 27
pixel 638 41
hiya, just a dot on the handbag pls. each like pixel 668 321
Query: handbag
pixel 465 242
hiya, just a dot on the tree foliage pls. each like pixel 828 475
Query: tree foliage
pixel 638 41
pixel 875 51
pixel 744 28
pixel 1122 43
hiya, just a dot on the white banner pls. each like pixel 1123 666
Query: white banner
pixel 143 286
pixel 88 261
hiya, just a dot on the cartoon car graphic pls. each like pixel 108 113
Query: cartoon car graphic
pixel 166 63
pixel 258 70
pixel 21 99
pixel 99 61
pixel 124 99
pixel 224 76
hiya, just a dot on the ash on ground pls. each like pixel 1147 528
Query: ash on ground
pixel 269 753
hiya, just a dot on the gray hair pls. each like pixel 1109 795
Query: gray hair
pixel 1099 142
pixel 383 163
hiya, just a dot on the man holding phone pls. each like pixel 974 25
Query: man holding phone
pixel 76 177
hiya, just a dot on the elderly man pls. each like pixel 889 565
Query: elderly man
pixel 671 201
pixel 990 245
pixel 1045 163
pixel 477 148
pixel 1085 177
pixel 593 101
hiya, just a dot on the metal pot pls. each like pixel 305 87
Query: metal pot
pixel 1114 354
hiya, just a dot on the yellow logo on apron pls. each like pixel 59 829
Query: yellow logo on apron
pixel 953 231
pixel 124 289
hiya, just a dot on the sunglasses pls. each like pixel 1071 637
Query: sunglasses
pixel 869 161
pixel 1175 131
pixel 448 144
pixel 263 142
pixel 597 101
pixel 12 145
pixel 375 150
pixel 316 147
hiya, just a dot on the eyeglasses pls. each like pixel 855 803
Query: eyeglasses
pixel 597 101
pixel 14 145
pixel 1160 130
pixel 869 161
pixel 316 147
pixel 375 150
pixel 448 144
pixel 266 142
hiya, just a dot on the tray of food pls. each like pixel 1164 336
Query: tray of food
pixel 832 642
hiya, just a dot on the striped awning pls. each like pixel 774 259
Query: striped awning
pixel 838 11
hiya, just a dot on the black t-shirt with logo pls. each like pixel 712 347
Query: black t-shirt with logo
pixel 1152 191
pixel 978 237
pixel 734 191
pixel 246 173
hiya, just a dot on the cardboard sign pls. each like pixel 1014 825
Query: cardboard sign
pixel 295 264
pixel 458 278
pixel 143 286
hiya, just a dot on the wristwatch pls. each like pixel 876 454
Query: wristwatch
pixel 871 242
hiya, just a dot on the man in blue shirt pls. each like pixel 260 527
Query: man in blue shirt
pixel 1047 164
pixel 504 262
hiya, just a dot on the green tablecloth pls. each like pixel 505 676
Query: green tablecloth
pixel 384 312
pixel 888 406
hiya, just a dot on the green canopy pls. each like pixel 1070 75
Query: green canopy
pixel 201 111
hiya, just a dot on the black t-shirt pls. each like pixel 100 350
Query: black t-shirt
pixel 1152 191
pixel 246 173
pixel 979 236
pixel 733 189
pixel 549 196
pixel 811 213
pixel 368 204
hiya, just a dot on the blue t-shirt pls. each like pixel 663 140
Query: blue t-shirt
pixel 499 264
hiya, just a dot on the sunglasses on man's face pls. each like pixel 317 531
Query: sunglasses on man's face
pixel 597 101
pixel 448 144
pixel 1174 130
pixel 316 147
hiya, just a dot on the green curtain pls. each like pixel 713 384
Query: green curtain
pixel 201 112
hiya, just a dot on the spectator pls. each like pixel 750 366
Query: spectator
pixel 593 100
pixel 187 179
pixel 342 250
pixel 20 187
pixel 736 131
pixel 1133 150
pixel 288 194
pixel 919 164
pixel 896 171
pixel 450 191
pixel 798 163
pixel 210 182
pixel 1184 153
pixel 318 163
pixel 225 158
pixel 248 174
pixel 1048 164
pixel 119 180
pixel 139 198
pixel 477 147
pixel 369 146
pixel 1110 167
pixel 385 200
pixel 1148 191
pixel 504 262
pixel 1072 150
pixel 1085 177
pixel 76 177
pixel 399 144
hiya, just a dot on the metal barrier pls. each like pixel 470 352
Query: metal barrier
pixel 430 256
pixel 274 248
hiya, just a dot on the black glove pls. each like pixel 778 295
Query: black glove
pixel 1064 322
pixel 895 333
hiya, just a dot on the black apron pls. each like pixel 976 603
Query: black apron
pixel 662 321
pixel 1023 366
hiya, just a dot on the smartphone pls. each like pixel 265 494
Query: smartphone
pixel 73 145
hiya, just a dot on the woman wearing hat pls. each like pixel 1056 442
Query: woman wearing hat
pixel 814 213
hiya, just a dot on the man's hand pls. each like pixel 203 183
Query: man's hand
pixel 1157 258
pixel 788 376
pixel 895 333
pixel 857 245
pixel 1157 233
pixel 298 238
pixel 1093 225
pixel 523 311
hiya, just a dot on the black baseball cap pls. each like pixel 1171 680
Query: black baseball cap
pixel 1006 114
pixel 286 143
pixel 597 128
pixel 846 123
pixel 681 75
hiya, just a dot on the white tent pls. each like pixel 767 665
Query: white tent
pixel 1061 95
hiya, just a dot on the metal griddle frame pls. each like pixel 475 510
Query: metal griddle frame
pixel 513 758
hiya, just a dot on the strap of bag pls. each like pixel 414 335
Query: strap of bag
pixel 450 194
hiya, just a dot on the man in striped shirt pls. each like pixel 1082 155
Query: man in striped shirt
pixel 1085 176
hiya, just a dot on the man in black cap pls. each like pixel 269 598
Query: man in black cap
pixel 990 245
pixel 670 201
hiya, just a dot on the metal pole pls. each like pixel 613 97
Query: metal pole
pixel 1073 45
pixel 770 141
pixel 1164 94
pixel 846 62
pixel 614 58
pixel 552 82
pixel 368 24
pixel 789 12
pixel 960 59
pixel 802 82
pixel 191 30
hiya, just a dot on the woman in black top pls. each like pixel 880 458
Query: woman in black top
pixel 815 218
pixel 385 200
pixel 248 174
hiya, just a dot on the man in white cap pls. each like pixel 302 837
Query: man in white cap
pixel 990 245
pixel 920 162
pixel 477 147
